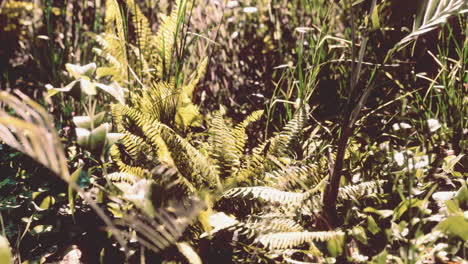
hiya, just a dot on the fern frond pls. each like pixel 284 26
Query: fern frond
pixel 267 194
pixel 273 225
pixel 121 177
pixel 33 133
pixel 356 192
pixel 118 154
pixel 113 43
pixel 167 225
pixel 142 28
pixel 284 143
pixel 166 38
pixel 284 240
pixel 191 163
pixel 296 177
pixel 222 146
pixel 239 132
pixel 434 13
pixel 190 255
pixel 137 148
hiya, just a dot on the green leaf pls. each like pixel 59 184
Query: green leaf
pixel 71 194
pixel 404 206
pixel 454 225
pixel 5 251
pixel 372 225
pixel 112 138
pixel 98 137
pixel 78 71
pixel 47 202
pixel 71 87
pixel 375 18
pixel 113 89
pixel 453 208
pixel 85 121
pixel 381 258
pixel 87 86
pixel 462 196
pixel 382 213
pixel 359 233
pixel 335 245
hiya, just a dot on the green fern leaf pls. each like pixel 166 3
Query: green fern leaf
pixel 284 240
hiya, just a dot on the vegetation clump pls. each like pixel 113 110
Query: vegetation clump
pixel 239 132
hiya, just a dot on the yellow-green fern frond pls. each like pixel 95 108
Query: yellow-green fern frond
pixel 239 131
pixel 284 240
pixel 267 194
pixel 137 148
pixel 142 28
pixel 358 191
pixel 113 43
pixel 159 101
pixel 165 39
pixel 285 142
pixel 122 177
pixel 122 159
pixel 190 87
pixel 223 146
pixel 274 225
pixel 296 177
pixel 190 162
pixel 166 227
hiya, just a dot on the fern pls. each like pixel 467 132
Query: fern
pixel 142 28
pixel 166 227
pixel 276 224
pixel 121 177
pixel 288 139
pixel 166 38
pixel 357 192
pixel 434 13
pixel 191 163
pixel 113 43
pixel 267 194
pixel 295 177
pixel 33 133
pixel 190 255
pixel 284 240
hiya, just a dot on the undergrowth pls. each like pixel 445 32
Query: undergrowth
pixel 233 132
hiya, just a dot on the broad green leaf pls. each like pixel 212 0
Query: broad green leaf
pixel 71 194
pixel 375 18
pixel 455 225
pixel 404 206
pixel 383 213
pixel 453 208
pixel 98 137
pixel 82 136
pixel 359 233
pixel 112 138
pixel 335 245
pixel 462 196
pixel 381 258
pixel 87 86
pixel 372 225
pixel 113 89
pixel 47 202
pixel 85 121
pixel 78 71
pixel 5 251
pixel 71 87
